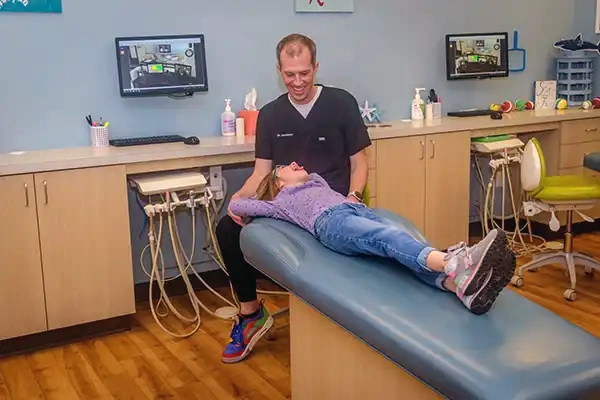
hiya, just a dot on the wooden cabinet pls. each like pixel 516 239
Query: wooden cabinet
pixel 85 241
pixel 65 249
pixel 23 309
pixel 426 179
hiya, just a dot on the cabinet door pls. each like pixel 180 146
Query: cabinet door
pixel 85 242
pixel 23 310
pixel 401 177
pixel 447 190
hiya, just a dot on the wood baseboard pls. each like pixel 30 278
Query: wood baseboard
pixel 59 337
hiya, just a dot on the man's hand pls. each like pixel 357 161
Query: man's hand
pixel 352 199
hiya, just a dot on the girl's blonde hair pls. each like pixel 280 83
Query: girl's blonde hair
pixel 267 188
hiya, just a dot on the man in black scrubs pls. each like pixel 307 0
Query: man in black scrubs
pixel 320 128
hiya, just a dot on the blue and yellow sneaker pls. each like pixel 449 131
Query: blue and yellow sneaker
pixel 245 334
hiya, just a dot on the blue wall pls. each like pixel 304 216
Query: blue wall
pixel 57 68
pixel 584 21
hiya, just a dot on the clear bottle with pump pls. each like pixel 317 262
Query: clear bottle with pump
pixel 417 108
pixel 228 120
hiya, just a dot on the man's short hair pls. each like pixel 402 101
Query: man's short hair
pixel 294 44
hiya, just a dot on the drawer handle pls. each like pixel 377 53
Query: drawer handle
pixel 422 149
pixel 433 148
pixel 46 191
pixel 591 129
pixel 26 196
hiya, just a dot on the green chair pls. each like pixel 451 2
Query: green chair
pixel 570 193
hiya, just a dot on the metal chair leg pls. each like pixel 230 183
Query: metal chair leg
pixel 567 258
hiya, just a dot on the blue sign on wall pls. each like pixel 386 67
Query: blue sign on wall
pixel 323 5
pixel 36 6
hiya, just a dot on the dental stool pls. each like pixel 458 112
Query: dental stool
pixel 570 193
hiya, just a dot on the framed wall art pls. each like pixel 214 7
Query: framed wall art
pixel 32 6
pixel 325 6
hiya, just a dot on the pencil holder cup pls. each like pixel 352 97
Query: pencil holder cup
pixel 99 135
pixel 437 110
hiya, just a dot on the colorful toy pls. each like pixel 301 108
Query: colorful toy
pixel 496 107
pixel 507 106
pixel 596 102
pixel 520 105
pixel 586 105
pixel 530 105
pixel 561 104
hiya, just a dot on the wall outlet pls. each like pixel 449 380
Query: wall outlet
pixel 215 177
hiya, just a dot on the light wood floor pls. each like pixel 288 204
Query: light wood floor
pixel 148 363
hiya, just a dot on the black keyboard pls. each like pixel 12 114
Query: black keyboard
pixel 469 113
pixel 146 140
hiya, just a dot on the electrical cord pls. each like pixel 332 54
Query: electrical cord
pixel 488 217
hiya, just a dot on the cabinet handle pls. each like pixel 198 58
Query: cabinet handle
pixel 591 129
pixel 422 149
pixel 46 191
pixel 433 148
pixel 26 196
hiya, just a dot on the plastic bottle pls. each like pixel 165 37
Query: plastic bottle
pixel 417 108
pixel 228 120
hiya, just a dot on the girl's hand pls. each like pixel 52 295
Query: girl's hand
pixel 238 220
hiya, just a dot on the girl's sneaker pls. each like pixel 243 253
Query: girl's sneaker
pixel 471 267
pixel 245 334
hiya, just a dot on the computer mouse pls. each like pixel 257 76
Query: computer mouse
pixel 495 115
pixel 191 140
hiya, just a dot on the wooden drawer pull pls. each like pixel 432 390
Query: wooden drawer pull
pixel 26 196
pixel 591 129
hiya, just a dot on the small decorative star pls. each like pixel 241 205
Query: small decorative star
pixel 370 114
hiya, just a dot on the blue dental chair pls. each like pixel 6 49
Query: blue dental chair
pixel 363 328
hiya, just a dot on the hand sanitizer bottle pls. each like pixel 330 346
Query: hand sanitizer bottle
pixel 417 106
pixel 228 120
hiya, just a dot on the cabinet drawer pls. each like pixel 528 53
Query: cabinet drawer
pixel 580 131
pixel 572 155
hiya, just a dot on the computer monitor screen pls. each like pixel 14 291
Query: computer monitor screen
pixel 161 65
pixel 477 56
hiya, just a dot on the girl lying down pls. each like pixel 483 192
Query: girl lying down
pixel 476 274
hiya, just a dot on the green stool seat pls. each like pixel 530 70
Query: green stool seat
pixel 569 188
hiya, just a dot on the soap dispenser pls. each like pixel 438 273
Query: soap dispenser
pixel 228 120
pixel 417 108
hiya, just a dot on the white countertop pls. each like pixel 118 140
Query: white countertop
pixel 82 157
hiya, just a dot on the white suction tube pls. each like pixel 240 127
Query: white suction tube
pixel 170 202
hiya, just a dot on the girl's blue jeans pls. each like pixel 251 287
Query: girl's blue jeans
pixel 354 229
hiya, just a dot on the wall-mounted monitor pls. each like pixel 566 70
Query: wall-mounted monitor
pixel 161 65
pixel 476 55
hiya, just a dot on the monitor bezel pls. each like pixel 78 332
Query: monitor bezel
pixel 503 50
pixel 166 92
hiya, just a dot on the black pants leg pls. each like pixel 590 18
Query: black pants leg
pixel 241 274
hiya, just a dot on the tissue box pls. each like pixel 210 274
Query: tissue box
pixel 250 117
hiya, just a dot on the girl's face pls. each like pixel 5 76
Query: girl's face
pixel 290 175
